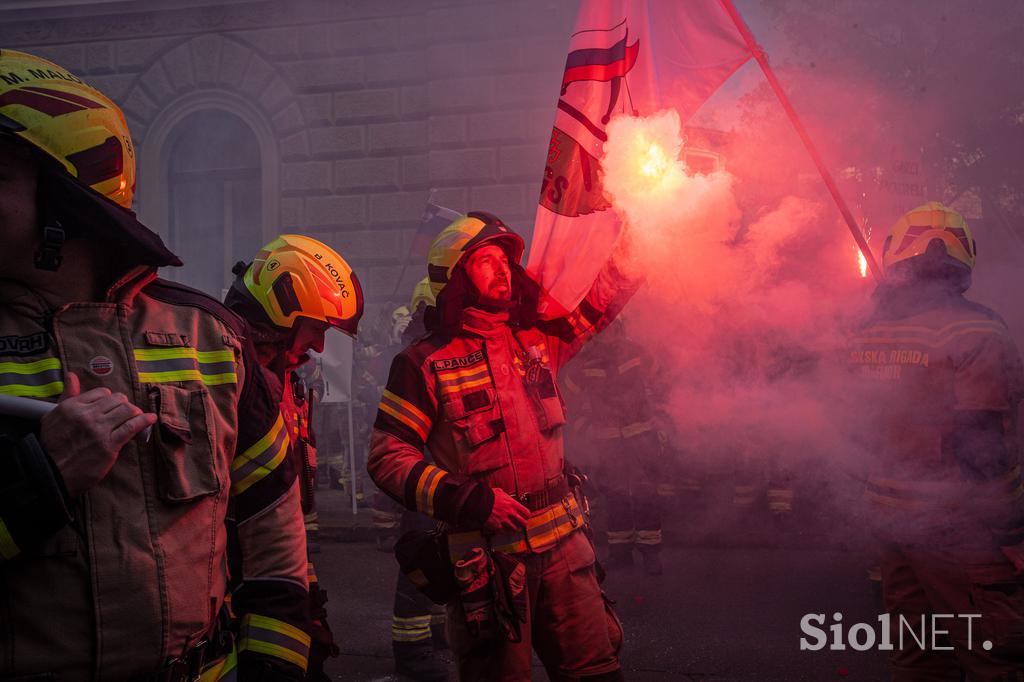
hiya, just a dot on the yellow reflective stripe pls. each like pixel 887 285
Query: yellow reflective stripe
pixel 8 548
pixel 273 637
pixel 426 486
pixel 207 356
pixel 452 375
pixel 405 412
pixel 476 382
pixel 275 625
pixel 430 494
pixel 255 457
pixel 416 412
pixel 222 670
pixel 29 367
pixel 178 375
pixel 164 353
pixel 629 364
pixel 204 356
pixel 275 650
pixel 44 391
pixel 261 471
pixel 188 375
pixel 259 446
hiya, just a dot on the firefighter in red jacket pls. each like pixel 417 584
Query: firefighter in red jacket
pixel 937 381
pixel 479 393
pixel 294 291
pixel 612 377
pixel 113 544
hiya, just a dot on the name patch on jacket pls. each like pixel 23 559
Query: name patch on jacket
pixel 456 363
pixel 24 345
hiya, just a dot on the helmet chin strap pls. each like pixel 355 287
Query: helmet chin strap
pixel 48 256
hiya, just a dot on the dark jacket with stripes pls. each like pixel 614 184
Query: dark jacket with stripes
pixel 467 399
pixel 133 572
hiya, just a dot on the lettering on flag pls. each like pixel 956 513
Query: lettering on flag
pixel 632 57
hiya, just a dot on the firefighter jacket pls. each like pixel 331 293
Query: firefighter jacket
pixel 485 404
pixel 917 363
pixel 138 573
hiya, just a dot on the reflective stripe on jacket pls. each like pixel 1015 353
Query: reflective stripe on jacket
pixel 486 406
pixel 141 572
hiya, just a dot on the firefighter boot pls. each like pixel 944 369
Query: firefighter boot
pixel 620 556
pixel 419 661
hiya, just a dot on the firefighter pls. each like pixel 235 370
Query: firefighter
pixel 479 392
pixel 614 372
pixel 294 291
pixel 417 630
pixel 112 541
pixel 937 379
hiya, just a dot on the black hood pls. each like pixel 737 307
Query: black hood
pixel 84 213
pixel 459 293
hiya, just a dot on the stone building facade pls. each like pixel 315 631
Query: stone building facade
pixel 335 118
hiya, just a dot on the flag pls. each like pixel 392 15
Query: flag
pixel 625 57
pixel 434 219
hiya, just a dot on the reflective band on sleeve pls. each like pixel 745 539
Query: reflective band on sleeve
pixel 8 548
pixel 406 412
pixel 260 459
pixel 161 365
pixel 37 379
pixel 426 486
pixel 264 635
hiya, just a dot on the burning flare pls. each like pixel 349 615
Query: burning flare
pixel 657 162
pixel 862 262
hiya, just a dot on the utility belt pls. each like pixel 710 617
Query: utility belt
pixel 629 431
pixel 428 558
pixel 544 529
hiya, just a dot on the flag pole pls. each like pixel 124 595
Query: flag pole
pixel 762 61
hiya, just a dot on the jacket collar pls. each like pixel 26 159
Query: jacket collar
pixel 124 290
pixel 484 322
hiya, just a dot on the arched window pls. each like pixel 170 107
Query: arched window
pixel 214 208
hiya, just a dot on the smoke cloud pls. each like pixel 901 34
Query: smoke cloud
pixel 747 317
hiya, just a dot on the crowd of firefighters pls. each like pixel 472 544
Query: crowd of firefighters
pixel 154 516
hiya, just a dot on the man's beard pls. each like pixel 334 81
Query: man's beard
pixel 496 302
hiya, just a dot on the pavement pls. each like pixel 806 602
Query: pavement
pixel 718 613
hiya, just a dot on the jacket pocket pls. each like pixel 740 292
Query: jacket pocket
pixel 186 469
pixel 476 424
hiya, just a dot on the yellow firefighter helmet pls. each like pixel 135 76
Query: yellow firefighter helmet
pixel 295 276
pixel 912 233
pixel 56 112
pixel 422 294
pixel 464 235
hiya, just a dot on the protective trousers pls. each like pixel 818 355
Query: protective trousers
pixel 413 609
pixel 634 508
pixel 569 624
pixel 920 582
